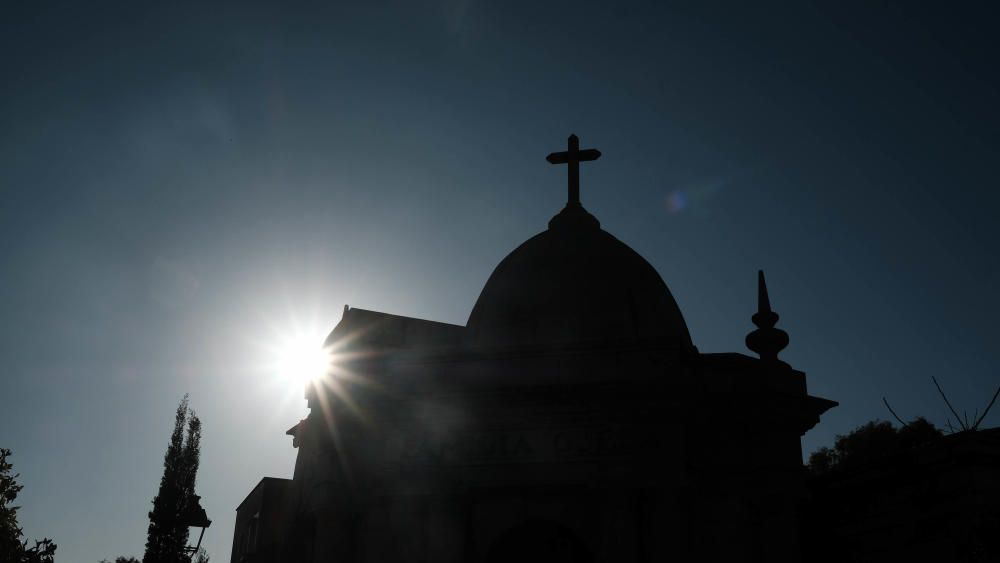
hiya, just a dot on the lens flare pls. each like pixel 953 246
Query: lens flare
pixel 676 201
pixel 300 360
pixel 697 196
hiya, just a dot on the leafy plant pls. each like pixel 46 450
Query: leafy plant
pixel 871 441
pixel 13 548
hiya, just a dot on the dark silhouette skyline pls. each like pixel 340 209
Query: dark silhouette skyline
pixel 185 186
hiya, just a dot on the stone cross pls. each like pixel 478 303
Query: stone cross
pixel 573 156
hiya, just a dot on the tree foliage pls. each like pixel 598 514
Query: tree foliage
pixel 874 440
pixel 201 556
pixel 168 535
pixel 13 548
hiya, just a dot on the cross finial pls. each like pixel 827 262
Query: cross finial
pixel 573 156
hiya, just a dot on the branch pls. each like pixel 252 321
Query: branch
pixel 988 407
pixel 951 408
pixel 894 412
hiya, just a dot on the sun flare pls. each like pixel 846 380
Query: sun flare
pixel 300 360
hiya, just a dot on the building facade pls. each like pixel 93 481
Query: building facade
pixel 570 420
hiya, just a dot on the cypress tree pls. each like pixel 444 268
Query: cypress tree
pixel 168 536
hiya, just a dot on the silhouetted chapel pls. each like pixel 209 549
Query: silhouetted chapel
pixel 570 420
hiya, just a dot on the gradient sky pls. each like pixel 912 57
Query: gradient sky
pixel 183 186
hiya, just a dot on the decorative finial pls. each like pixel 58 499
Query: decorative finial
pixel 573 156
pixel 767 341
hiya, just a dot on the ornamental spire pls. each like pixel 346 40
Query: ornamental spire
pixel 767 341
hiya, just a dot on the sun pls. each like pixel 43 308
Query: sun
pixel 301 359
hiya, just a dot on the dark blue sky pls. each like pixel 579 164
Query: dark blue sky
pixel 182 186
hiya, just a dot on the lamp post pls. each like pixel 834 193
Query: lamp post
pixel 195 517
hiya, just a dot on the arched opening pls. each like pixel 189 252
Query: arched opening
pixel 538 541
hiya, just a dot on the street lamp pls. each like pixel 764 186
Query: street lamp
pixel 195 517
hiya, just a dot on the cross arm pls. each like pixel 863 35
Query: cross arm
pixel 580 156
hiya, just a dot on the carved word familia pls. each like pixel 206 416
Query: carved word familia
pixel 580 443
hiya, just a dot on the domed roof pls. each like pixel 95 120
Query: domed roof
pixel 575 283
